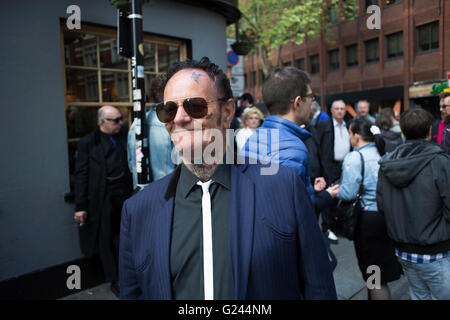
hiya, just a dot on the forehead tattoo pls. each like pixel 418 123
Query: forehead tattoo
pixel 196 75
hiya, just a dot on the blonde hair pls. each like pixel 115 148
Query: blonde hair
pixel 248 112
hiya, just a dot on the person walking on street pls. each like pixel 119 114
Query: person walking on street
pixel 103 183
pixel 372 245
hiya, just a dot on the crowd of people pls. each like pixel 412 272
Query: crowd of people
pixel 214 230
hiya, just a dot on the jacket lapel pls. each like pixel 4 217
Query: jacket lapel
pixel 164 227
pixel 242 212
pixel 164 230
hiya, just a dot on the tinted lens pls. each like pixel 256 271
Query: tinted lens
pixel 166 111
pixel 117 120
pixel 196 107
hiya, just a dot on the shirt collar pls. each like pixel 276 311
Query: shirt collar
pixel 188 180
pixel 336 124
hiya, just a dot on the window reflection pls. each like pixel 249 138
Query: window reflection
pixel 108 55
pixel 82 85
pixel 166 56
pixel 80 49
pixel 149 57
pixel 115 86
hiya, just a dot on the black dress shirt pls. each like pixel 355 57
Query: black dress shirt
pixel 186 249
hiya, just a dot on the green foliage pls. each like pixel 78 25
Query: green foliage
pixel 272 23
pixel 437 89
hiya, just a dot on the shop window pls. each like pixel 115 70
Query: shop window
pixel 333 60
pixel 428 37
pixel 351 55
pixel 315 64
pixel 372 50
pixel 395 45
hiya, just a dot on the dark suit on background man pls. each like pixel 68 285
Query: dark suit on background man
pixel 331 152
pixel 103 182
pixel 324 138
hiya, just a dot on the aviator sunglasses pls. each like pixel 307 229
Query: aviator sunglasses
pixel 116 120
pixel 195 107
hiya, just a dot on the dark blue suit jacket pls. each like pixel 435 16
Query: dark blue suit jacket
pixel 276 248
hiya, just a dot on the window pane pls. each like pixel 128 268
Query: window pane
pixel 82 85
pixel 80 121
pixel 149 57
pixel 108 55
pixel 148 78
pixel 372 50
pixel 435 35
pixel 253 78
pixel 424 38
pixel 352 55
pixel 166 56
pixel 80 49
pixel 315 66
pixel 300 63
pixel 115 87
pixel 333 57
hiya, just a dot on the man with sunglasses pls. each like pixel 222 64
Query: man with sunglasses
pixel 214 230
pixel 441 129
pixel 103 183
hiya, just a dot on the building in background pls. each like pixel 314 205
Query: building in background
pixel 53 81
pixel 397 64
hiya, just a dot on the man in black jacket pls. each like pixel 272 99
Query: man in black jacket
pixel 103 183
pixel 413 193
pixel 333 143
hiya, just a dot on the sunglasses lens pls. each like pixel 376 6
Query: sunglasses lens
pixel 117 120
pixel 166 111
pixel 196 107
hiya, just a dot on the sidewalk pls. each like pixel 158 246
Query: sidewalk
pixel 349 282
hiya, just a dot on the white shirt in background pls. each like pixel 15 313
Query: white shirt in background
pixel 341 140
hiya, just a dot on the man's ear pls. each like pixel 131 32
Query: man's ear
pixel 228 109
pixel 296 103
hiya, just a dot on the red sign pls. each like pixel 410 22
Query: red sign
pixel 448 79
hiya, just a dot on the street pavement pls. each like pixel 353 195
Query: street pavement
pixel 349 282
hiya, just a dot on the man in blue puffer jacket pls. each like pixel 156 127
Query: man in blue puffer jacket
pixel 288 96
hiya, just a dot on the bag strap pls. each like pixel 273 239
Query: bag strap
pixel 362 177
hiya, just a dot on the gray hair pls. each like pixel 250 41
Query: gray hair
pixel 357 104
pixel 315 106
pixel 336 102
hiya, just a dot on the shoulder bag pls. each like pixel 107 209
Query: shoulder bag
pixel 347 212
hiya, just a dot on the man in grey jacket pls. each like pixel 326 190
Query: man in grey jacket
pixel 413 194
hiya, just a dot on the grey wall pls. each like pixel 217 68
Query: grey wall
pixel 36 225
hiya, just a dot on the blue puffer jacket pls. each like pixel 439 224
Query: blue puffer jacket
pixel 281 141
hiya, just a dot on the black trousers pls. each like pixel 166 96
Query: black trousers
pixel 109 233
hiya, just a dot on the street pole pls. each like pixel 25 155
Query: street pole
pixel 137 63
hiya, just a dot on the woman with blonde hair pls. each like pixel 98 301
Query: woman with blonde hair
pixel 252 119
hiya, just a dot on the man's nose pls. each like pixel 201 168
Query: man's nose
pixel 181 116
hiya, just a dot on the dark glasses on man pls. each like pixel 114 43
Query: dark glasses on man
pixel 195 107
pixel 116 120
